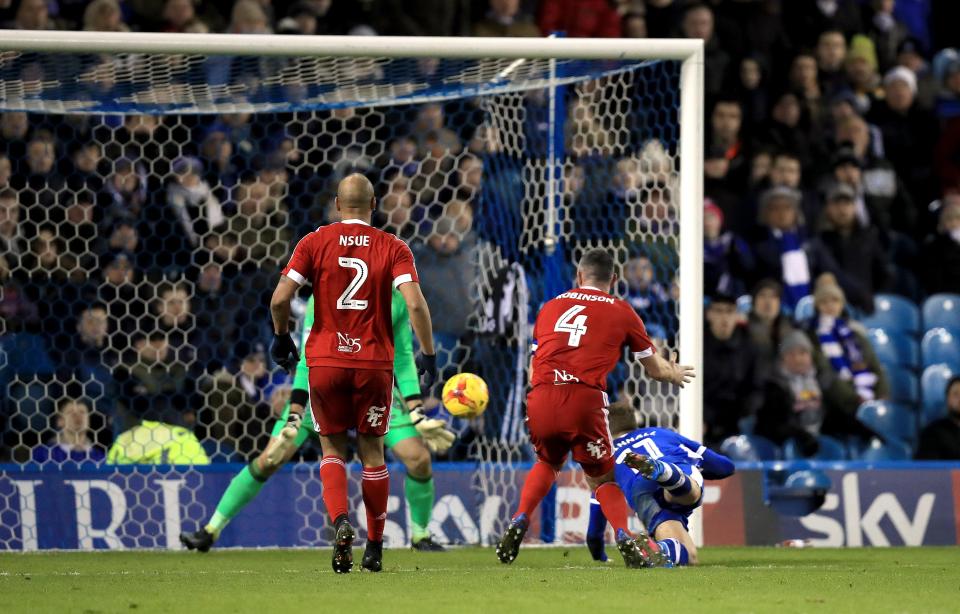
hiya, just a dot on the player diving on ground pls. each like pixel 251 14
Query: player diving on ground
pixel 661 472
pixel 409 430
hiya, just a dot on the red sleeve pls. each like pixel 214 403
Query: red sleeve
pixel 637 339
pixel 403 268
pixel 300 267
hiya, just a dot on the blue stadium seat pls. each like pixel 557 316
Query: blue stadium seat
pixel 940 346
pixel 877 450
pixel 889 420
pixel 904 387
pixel 895 349
pixel 933 385
pixel 744 304
pixel 894 313
pixel 942 310
pixel 804 310
pixel 750 448
pixel 830 449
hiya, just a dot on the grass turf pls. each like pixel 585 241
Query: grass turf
pixel 471 580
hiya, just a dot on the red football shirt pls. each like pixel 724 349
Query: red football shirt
pixel 353 269
pixel 580 337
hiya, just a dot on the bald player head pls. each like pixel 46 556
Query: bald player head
pixel 355 197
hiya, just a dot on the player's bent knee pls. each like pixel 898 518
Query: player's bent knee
pixel 418 463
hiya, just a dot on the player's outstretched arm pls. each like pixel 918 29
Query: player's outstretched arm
pixel 669 371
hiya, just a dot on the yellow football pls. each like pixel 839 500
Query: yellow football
pixel 465 395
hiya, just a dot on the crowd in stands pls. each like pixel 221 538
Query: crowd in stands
pixel 139 251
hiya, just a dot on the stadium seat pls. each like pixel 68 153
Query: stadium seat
pixel 802 492
pixel 744 304
pixel 940 346
pixel 894 313
pixel 942 310
pixel 904 387
pixel 933 385
pixel 750 448
pixel 894 450
pixel 830 449
pixel 889 420
pixel 895 349
pixel 804 310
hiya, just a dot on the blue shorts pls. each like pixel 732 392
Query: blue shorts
pixel 652 507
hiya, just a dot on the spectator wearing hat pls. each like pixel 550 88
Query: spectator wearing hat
pixel 855 247
pixel 909 132
pixel 851 371
pixel 941 251
pixel 793 405
pixel 862 76
pixel 881 198
pixel 729 385
pixel 785 253
pixel 910 56
pixel 940 440
pixel 727 261
pixel 767 324
pixel 718 184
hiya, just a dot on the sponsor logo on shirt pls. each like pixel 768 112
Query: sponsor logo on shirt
pixel 347 344
pixel 562 377
pixel 375 415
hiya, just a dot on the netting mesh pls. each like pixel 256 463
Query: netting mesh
pixel 151 201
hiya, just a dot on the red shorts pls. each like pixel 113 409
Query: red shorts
pixel 342 399
pixel 571 418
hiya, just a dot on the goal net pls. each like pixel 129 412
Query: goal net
pixel 156 185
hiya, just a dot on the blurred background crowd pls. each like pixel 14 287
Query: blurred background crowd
pixel 139 251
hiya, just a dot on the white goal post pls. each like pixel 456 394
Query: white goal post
pixel 691 118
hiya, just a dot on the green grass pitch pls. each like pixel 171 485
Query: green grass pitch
pixel 471 580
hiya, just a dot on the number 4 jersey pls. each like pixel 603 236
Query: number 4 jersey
pixel 353 269
pixel 580 336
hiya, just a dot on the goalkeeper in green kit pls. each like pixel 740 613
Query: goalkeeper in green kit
pixel 410 435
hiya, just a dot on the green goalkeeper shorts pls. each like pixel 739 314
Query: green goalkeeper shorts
pixel 400 425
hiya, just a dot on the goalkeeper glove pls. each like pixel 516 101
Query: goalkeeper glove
pixel 284 352
pixel 427 369
pixel 433 431
pixel 292 427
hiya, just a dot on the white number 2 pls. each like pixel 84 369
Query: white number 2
pixel 346 300
pixel 572 324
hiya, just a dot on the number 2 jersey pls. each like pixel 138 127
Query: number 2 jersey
pixel 580 336
pixel 353 269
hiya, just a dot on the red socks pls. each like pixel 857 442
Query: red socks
pixel 333 474
pixel 376 491
pixel 535 487
pixel 614 505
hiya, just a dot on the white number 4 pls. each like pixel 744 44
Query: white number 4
pixel 572 324
pixel 346 300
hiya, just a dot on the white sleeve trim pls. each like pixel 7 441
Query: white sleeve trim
pixel 644 354
pixel 402 279
pixel 297 277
